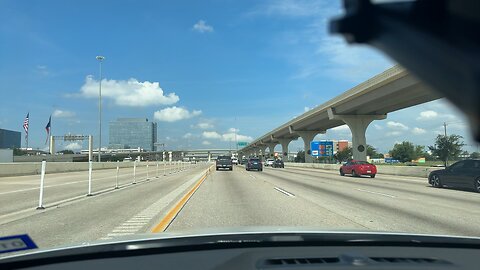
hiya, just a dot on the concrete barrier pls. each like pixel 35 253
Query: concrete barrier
pixel 417 171
pixel 32 168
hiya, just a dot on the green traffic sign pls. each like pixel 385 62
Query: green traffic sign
pixel 242 143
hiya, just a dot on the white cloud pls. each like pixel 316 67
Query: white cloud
pixel 188 135
pixel 73 146
pixel 42 70
pixel 306 109
pixel 201 26
pixel 228 136
pixel 418 131
pixel 233 130
pixel 63 114
pixel 129 93
pixel 396 125
pixel 377 127
pixel 211 135
pixel 173 114
pixel 206 143
pixel 289 8
pixel 427 115
pixel 313 49
pixel 356 63
pixel 393 133
pixel 203 125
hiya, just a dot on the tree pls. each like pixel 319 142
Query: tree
pixel 300 158
pixel 475 155
pixel 372 153
pixel 344 154
pixel 19 152
pixel 405 151
pixel 420 151
pixel 447 147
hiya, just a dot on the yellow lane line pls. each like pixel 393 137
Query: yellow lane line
pixel 172 214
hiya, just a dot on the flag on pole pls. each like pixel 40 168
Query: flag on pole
pixel 47 128
pixel 25 124
pixel 25 127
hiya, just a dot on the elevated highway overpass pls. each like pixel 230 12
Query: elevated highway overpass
pixel 392 90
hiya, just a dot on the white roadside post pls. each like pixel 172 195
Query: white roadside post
pixel 134 172
pixel 90 178
pixel 42 178
pixel 148 178
pixel 116 178
pixel 157 171
pixel 164 168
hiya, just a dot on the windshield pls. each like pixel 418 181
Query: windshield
pixel 114 113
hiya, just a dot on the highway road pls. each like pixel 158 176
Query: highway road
pixel 289 197
pixel 61 187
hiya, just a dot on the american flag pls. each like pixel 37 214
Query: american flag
pixel 25 124
pixel 48 127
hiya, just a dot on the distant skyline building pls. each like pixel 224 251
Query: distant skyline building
pixel 129 133
pixel 10 138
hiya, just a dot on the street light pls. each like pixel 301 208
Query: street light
pixel 100 60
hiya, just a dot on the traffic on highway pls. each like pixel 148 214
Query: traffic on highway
pixel 239 135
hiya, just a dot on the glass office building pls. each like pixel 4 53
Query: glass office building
pixel 129 133
pixel 10 138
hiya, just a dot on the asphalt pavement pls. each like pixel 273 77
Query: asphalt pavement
pixel 290 197
pixel 325 200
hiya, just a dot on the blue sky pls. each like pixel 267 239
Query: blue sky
pixel 198 68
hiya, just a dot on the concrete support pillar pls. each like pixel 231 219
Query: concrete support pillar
pixel 271 149
pixel 285 143
pixel 209 156
pixel 358 125
pixel 307 137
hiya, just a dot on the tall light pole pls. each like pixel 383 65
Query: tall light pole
pixel 100 60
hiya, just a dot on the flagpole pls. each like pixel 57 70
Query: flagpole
pixel 50 137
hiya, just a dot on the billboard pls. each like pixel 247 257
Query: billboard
pixel 321 148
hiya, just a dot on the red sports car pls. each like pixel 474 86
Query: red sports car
pixel 358 168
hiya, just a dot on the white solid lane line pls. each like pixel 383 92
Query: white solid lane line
pixel 284 192
pixel 377 193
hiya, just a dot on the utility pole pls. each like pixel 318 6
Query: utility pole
pixel 446 140
pixel 100 60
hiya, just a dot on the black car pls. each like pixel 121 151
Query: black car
pixel 254 164
pixel 462 174
pixel 278 164
pixel 224 162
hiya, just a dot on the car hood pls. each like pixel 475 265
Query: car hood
pixel 247 237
